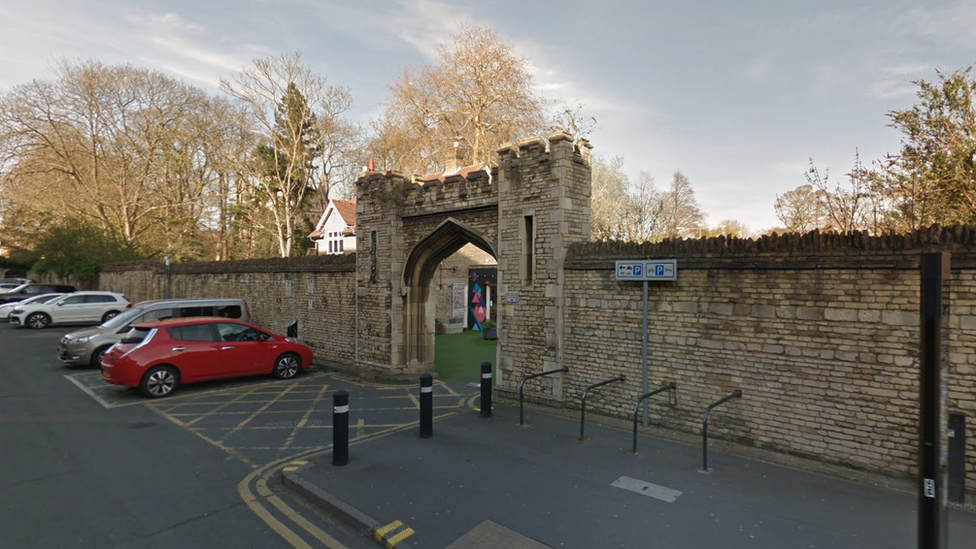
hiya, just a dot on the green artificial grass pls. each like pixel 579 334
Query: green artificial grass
pixel 458 357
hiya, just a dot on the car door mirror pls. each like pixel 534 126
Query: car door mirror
pixel 263 337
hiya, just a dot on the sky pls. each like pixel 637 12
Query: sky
pixel 738 96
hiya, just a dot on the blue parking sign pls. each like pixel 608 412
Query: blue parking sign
pixel 659 270
pixel 638 270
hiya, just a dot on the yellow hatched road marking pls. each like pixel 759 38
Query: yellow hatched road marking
pixel 390 543
pixel 302 422
pixel 222 407
pixel 381 531
pixel 251 417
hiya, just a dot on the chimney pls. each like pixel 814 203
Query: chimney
pixel 457 162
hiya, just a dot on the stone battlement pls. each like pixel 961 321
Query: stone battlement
pixel 560 145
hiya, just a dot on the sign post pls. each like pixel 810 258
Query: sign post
pixel 646 270
pixel 933 397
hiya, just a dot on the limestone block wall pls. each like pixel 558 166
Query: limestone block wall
pixel 821 336
pixel 318 291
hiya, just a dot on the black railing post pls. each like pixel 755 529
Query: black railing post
pixel 736 394
pixel 426 406
pixel 340 427
pixel 669 386
pixel 522 386
pixel 586 393
pixel 486 389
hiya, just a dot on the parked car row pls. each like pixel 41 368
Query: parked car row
pixel 7 284
pixel 157 346
pixel 84 347
pixel 26 290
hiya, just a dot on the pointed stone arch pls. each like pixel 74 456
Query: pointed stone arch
pixel 418 272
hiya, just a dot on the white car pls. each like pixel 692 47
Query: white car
pixel 6 308
pixel 74 308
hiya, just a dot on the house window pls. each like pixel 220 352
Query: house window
pixel 335 242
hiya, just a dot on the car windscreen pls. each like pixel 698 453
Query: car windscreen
pixel 120 320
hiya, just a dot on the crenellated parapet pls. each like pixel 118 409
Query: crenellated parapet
pixel 560 146
pixel 471 187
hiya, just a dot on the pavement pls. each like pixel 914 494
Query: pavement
pixel 491 483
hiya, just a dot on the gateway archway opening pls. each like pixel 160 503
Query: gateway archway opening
pixel 466 260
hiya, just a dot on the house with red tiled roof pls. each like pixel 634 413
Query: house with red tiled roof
pixel 335 232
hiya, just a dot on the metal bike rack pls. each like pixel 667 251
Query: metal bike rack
pixel 586 393
pixel 736 394
pixel 522 386
pixel 673 400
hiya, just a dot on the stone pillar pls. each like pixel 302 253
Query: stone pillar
pixel 379 265
pixel 544 207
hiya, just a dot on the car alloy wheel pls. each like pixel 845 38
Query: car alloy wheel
pixel 109 316
pixel 96 359
pixel 159 382
pixel 38 320
pixel 287 366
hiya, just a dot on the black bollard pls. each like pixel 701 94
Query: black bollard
pixel 340 427
pixel 486 389
pixel 426 406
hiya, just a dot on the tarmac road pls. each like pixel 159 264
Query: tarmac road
pixel 76 474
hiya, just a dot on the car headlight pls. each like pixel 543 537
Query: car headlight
pixel 83 339
pixel 16 311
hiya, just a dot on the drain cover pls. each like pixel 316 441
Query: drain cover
pixel 655 491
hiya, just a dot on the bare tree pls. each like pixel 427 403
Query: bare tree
pixel 681 215
pixel 801 210
pixel 479 94
pixel 730 227
pixel 289 105
pixel 569 118
pixel 610 201
pixel 644 210
pixel 846 209
pixel 100 143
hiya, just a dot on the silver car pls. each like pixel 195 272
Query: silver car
pixel 87 346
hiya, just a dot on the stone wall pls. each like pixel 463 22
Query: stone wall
pixel 318 291
pixel 820 333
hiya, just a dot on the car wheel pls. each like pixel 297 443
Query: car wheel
pixel 287 366
pixel 97 354
pixel 38 320
pixel 109 316
pixel 160 381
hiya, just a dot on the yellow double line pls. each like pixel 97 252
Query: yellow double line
pixel 400 535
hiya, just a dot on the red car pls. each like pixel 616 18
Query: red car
pixel 158 357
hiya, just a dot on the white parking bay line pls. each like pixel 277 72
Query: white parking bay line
pixel 88 391
pixel 647 489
